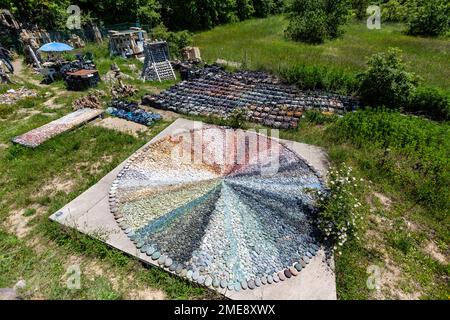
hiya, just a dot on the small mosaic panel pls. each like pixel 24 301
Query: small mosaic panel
pixel 39 135
pixel 220 211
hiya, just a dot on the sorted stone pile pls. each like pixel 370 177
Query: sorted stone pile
pixel 212 91
pixel 76 42
pixel 114 75
pixel 130 111
pixel 157 66
pixel 92 100
pixel 122 91
pixel 12 96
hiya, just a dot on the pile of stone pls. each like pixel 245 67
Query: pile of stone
pixel 92 100
pixel 12 96
pixel 128 43
pixel 212 91
pixel 122 91
pixel 129 111
pixel 76 42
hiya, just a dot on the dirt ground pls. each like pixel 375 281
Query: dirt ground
pixel 121 125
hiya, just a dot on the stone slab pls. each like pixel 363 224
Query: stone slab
pixel 90 214
pixel 70 121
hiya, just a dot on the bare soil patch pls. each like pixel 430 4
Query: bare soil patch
pixel 122 125
pixel 432 249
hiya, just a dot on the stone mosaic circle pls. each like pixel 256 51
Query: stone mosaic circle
pixel 225 221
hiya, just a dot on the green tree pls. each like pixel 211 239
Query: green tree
pixel 263 8
pixel 360 8
pixel 428 18
pixel 386 82
pixel 313 21
pixel 244 9
pixel 337 13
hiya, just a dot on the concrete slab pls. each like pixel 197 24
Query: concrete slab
pixel 90 214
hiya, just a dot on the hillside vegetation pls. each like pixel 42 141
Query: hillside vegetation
pixel 260 44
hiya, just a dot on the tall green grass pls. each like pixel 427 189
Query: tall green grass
pixel 412 152
pixel 260 44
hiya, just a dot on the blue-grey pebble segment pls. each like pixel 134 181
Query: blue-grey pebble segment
pixel 150 250
pixel 195 275
pixel 168 262
pixel 216 282
pixel 156 255
pixel 208 281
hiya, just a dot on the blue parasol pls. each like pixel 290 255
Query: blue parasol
pixel 55 47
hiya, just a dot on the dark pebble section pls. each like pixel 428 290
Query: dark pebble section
pixel 264 98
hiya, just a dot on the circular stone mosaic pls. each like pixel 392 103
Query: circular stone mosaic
pixel 224 208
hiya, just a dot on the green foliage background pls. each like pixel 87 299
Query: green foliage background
pixel 176 14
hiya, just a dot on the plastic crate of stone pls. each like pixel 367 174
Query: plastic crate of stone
pixel 157 66
pixel 138 116
pixel 220 92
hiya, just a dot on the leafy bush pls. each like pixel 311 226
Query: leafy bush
pixel 236 119
pixel 412 152
pixel 312 29
pixel 263 8
pixel 176 40
pixel 386 81
pixel 429 18
pixel 314 21
pixel 245 9
pixel 313 77
pixel 432 102
pixel 337 13
pixel 394 11
pixel 341 208
pixel 359 7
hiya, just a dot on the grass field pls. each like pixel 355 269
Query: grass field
pixel 260 44
pixel 404 238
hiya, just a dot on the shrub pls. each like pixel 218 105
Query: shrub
pixel 176 40
pixel 429 18
pixel 386 81
pixel 394 11
pixel 245 9
pixel 236 119
pixel 341 208
pixel 432 102
pixel 312 29
pixel 314 21
pixel 263 8
pixel 337 13
pixel 359 8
